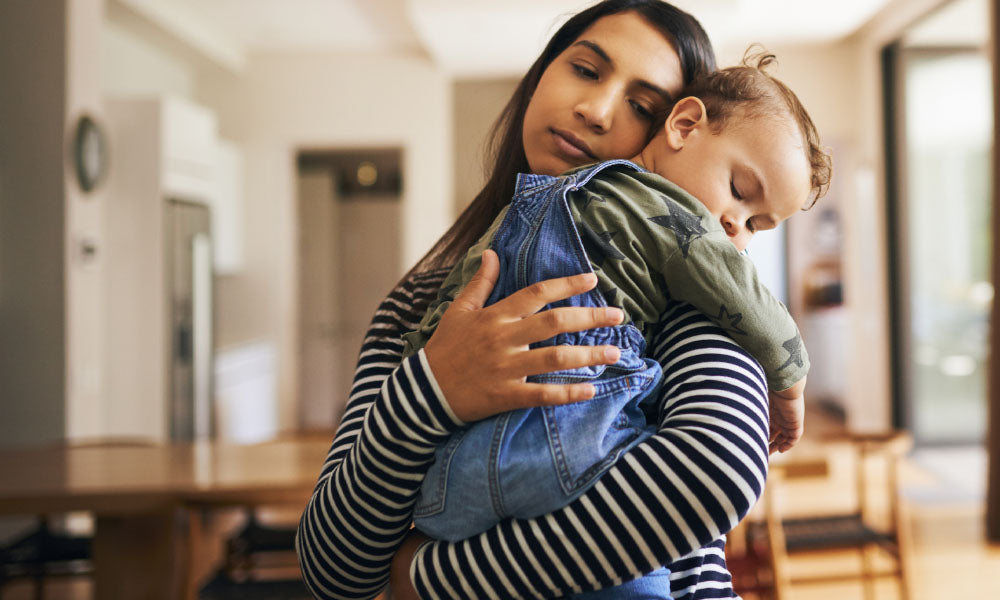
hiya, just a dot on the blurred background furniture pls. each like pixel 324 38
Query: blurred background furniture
pixel 44 552
pixel 749 555
pixel 244 552
pixel 875 527
pixel 54 548
pixel 140 497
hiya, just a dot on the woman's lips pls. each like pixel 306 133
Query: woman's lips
pixel 571 146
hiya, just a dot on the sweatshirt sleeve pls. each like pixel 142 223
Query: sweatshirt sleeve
pixel 705 269
pixel 671 498
pixel 361 508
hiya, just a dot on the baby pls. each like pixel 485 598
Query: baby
pixel 736 155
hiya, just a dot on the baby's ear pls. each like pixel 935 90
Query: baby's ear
pixel 687 115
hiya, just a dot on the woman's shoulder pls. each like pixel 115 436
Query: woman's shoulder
pixel 425 278
pixel 417 285
pixel 414 292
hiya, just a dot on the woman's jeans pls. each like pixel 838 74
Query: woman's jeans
pixel 530 462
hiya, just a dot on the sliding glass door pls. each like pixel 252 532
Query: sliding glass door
pixel 940 169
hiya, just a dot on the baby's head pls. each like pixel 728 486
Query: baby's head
pixel 740 142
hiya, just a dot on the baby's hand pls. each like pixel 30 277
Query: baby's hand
pixel 787 408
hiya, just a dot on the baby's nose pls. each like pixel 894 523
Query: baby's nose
pixel 730 225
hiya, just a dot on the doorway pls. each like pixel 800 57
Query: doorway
pixel 349 256
pixel 939 111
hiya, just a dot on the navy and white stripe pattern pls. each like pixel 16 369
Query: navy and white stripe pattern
pixel 669 500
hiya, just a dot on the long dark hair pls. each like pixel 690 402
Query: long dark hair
pixel 506 149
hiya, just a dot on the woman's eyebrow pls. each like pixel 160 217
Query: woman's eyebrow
pixel 596 49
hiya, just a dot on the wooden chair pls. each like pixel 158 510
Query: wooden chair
pixel 748 552
pixel 865 530
pixel 43 553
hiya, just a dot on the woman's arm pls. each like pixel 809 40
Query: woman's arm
pixel 680 490
pixel 362 505
pixel 396 416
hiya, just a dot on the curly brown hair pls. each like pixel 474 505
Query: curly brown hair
pixel 750 90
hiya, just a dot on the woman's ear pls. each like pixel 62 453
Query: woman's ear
pixel 687 116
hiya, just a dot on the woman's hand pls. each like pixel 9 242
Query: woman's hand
pixel 399 573
pixel 480 356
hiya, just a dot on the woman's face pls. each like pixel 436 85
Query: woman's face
pixel 598 99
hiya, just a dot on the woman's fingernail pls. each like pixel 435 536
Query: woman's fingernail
pixel 613 314
pixel 611 353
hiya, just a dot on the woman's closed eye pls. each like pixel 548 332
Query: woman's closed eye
pixel 641 110
pixel 584 71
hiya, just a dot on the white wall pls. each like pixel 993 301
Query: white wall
pixel 130 65
pixel 477 103
pixel 283 103
pixel 84 225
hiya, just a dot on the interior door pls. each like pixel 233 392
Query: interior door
pixel 320 372
pixel 190 289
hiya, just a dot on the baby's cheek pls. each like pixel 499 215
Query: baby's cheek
pixel 741 242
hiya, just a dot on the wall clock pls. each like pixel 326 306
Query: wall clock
pixel 90 153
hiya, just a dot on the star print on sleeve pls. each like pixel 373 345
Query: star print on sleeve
pixel 598 245
pixel 661 285
pixel 611 297
pixel 686 226
pixel 588 197
pixel 794 348
pixel 730 321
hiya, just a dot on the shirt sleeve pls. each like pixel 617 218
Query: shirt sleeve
pixel 706 270
pixel 362 506
pixel 671 498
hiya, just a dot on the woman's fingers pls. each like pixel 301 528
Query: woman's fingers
pixel 560 358
pixel 478 290
pixel 527 301
pixel 529 395
pixel 480 357
pixel 546 324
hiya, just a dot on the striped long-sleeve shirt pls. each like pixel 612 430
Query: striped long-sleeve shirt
pixel 668 501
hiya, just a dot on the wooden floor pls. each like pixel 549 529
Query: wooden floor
pixel 951 557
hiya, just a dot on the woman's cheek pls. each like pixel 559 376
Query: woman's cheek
pixel 630 143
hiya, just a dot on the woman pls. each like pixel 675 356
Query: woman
pixel 593 94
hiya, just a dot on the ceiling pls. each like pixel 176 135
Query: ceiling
pixel 469 38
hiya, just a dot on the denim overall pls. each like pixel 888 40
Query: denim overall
pixel 529 462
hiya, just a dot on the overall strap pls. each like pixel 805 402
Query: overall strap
pixel 584 175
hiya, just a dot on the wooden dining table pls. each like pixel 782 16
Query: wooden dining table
pixel 142 496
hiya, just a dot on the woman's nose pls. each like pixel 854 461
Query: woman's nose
pixel 597 111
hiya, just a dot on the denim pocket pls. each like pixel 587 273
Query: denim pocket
pixel 586 438
pixel 433 491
